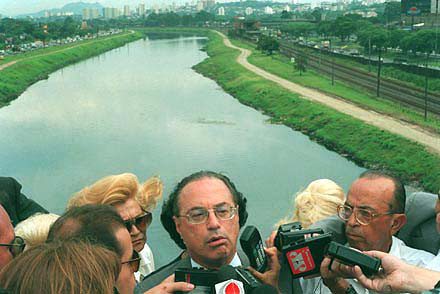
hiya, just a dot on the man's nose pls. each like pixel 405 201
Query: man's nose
pixel 134 230
pixel 213 222
pixel 352 220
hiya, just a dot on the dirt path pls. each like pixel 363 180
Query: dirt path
pixel 412 132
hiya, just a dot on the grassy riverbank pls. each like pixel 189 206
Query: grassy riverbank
pixel 366 145
pixel 281 66
pixel 16 78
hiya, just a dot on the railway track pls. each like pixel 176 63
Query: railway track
pixel 389 89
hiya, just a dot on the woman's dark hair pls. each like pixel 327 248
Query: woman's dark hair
pixel 170 207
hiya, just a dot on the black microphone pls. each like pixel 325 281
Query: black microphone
pixel 250 284
pixel 227 281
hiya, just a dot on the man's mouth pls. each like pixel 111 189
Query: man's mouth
pixel 216 241
pixel 353 236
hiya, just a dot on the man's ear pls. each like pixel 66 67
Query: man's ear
pixel 399 220
pixel 177 223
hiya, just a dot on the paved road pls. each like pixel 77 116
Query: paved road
pixel 410 131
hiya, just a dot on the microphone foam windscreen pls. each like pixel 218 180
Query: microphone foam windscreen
pixel 225 273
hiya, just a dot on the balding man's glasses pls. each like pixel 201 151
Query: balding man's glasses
pixel 200 215
pixel 141 222
pixel 16 246
pixel 362 216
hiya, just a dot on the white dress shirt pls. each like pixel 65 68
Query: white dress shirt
pixel 146 265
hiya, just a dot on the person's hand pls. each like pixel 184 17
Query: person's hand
pixel 334 269
pixel 270 241
pixel 397 276
pixel 168 286
pixel 272 273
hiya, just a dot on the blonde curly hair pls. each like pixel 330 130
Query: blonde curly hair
pixel 117 189
pixel 320 199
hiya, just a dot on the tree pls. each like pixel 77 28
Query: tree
pixel 286 15
pixel 343 27
pixel 317 14
pixel 324 28
pixel 395 38
pixel 269 44
pixel 392 12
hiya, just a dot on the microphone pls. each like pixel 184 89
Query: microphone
pixel 227 281
pixel 243 277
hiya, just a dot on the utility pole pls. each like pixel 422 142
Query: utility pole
pixel 426 86
pixel 333 63
pixel 378 71
pixel 369 52
pixel 436 27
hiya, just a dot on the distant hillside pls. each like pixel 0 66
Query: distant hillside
pixel 76 8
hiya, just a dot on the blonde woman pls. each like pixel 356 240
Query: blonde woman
pixel 69 267
pixel 320 199
pixel 134 202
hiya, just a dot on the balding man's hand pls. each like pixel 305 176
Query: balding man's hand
pixel 168 286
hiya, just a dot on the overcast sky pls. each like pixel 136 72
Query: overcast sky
pixel 14 7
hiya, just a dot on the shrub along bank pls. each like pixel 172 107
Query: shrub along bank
pixel 15 79
pixel 366 145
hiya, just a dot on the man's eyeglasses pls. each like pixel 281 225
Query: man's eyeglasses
pixel 16 246
pixel 200 215
pixel 134 262
pixel 362 216
pixel 141 222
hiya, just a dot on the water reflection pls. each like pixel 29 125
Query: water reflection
pixel 142 109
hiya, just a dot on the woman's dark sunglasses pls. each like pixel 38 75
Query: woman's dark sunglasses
pixel 141 222
pixel 16 246
pixel 134 261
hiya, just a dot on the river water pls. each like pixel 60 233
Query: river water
pixel 142 109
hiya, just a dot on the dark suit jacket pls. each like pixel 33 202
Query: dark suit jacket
pixel 156 277
pixel 18 206
pixel 286 284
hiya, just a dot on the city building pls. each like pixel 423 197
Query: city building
pixel 268 10
pixel 249 11
pixel 221 11
pixel 110 12
pixel 90 13
pixel 141 9
pixel 126 10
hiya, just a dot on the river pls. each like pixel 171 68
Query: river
pixel 142 109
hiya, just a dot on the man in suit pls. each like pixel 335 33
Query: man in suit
pixel 373 213
pixel 203 215
pixel 17 205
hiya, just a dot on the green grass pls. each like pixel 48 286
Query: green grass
pixel 15 79
pixel 281 66
pixel 366 145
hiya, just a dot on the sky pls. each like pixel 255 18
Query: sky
pixel 14 7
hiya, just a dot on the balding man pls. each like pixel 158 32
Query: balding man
pixel 373 213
